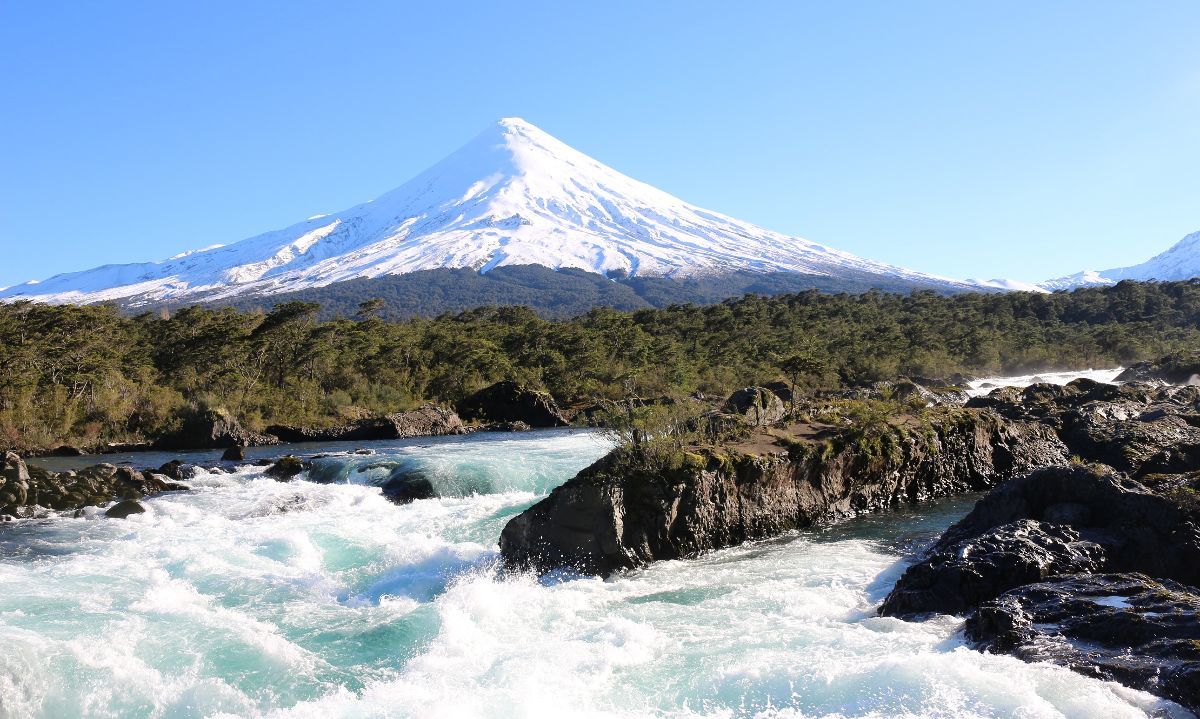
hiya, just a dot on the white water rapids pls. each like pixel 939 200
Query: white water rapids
pixel 251 597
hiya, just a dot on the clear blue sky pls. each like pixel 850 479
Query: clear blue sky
pixel 1018 139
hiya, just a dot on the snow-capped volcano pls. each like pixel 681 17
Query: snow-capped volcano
pixel 1180 262
pixel 512 196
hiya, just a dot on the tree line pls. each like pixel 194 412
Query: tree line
pixel 87 375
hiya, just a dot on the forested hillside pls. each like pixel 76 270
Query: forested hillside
pixel 553 294
pixel 87 375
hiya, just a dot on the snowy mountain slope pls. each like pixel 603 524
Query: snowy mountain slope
pixel 512 196
pixel 1180 262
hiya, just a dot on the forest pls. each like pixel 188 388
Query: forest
pixel 89 375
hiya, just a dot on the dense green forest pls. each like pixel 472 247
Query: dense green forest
pixel 87 375
pixel 552 293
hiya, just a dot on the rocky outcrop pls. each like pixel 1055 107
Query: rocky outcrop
pixel 1077 565
pixel 1129 628
pixel 211 429
pixel 426 421
pixel 623 512
pixel 510 402
pixel 1057 520
pixel 31 491
pixel 958 576
pixel 125 508
pixel 1136 428
pixel 1172 369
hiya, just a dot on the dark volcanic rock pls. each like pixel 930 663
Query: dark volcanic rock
pixel 178 470
pixel 14 483
pixel 1136 428
pixel 234 454
pixel 757 406
pixel 1124 627
pixel 1057 520
pixel 66 450
pixel 285 468
pixel 1173 369
pixel 510 402
pixel 124 508
pixel 618 514
pixel 957 577
pixel 426 421
pixel 1139 530
pixel 210 429
pixel 69 491
pixel 408 488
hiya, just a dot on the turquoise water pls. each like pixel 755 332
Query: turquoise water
pixel 250 597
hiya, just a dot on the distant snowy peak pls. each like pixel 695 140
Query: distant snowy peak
pixel 1180 262
pixel 512 196
pixel 1007 285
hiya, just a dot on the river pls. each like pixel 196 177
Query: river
pixel 251 597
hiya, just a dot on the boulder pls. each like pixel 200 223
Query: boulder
pixel 178 470
pixel 285 468
pixel 408 488
pixel 757 406
pixel 234 454
pixel 212 429
pixel 14 483
pixel 161 483
pixel 510 402
pixel 1128 628
pixel 66 450
pixel 124 508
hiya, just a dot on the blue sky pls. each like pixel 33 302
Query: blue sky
pixel 1020 139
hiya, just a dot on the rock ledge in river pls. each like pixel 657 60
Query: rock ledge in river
pixel 618 514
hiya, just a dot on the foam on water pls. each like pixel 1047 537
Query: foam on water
pixel 250 597
pixel 984 385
